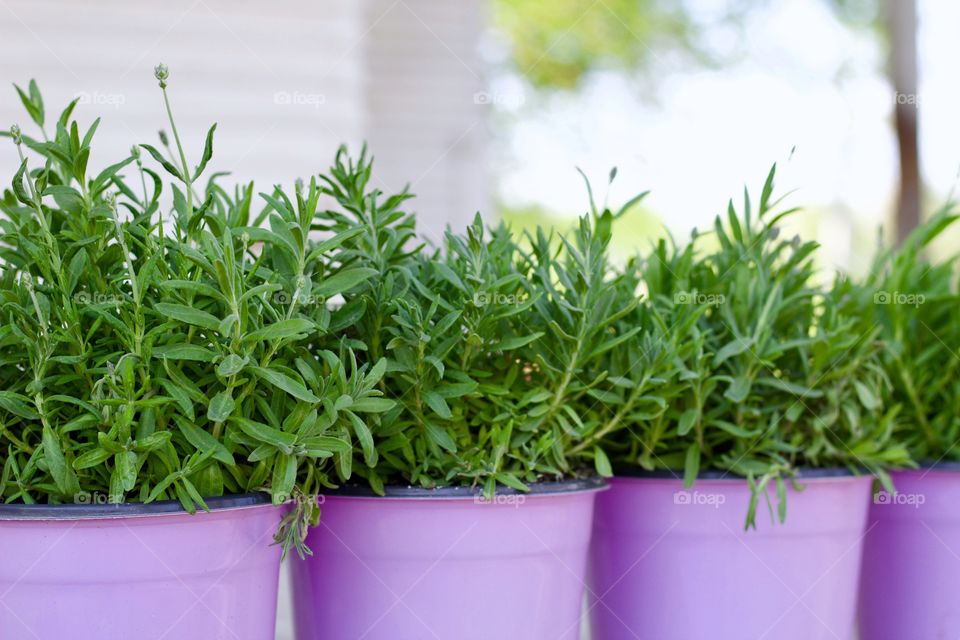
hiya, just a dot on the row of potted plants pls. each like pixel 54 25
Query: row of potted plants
pixel 191 372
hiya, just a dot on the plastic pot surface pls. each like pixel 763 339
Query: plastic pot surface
pixel 911 562
pixel 448 564
pixel 105 572
pixel 675 564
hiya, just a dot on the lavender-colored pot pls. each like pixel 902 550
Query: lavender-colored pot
pixel 670 564
pixel 116 572
pixel 421 564
pixel 911 571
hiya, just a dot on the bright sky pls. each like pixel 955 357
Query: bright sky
pixel 712 131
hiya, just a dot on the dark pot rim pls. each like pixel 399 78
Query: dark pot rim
pixel 934 465
pixel 803 473
pixel 575 485
pixel 82 511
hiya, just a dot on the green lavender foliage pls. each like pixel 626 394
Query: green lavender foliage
pixel 149 356
pixel 495 343
pixel 294 341
pixel 914 300
pixel 777 372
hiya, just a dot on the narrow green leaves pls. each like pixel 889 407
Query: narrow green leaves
pixel 189 315
pixel 63 474
pixel 285 383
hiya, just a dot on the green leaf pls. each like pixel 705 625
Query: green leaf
pixel 318 444
pixel 362 431
pixel 294 327
pixel 438 404
pixel 343 281
pixel 172 170
pixel 284 477
pixel 189 315
pixel 17 405
pixel 691 465
pixel 440 437
pixel 207 152
pixel 790 387
pixel 18 189
pixel 734 348
pixel 687 420
pixel 221 406
pixel 602 463
pixel 91 458
pixel 125 466
pixel 285 383
pixel 179 395
pixel 739 389
pixel 204 441
pixel 192 352
pixel 372 405
pixel 268 435
pixel 231 365
pixel 62 473
pixel 867 397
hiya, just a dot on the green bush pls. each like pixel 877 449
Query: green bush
pixel 152 357
pixel 914 301
pixel 495 343
pixel 294 342
pixel 774 372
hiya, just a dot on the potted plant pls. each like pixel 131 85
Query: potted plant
pixel 909 574
pixel 475 516
pixel 161 397
pixel 774 404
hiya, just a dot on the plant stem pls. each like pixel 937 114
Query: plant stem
pixel 183 158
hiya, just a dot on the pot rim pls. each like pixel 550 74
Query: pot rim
pixel 126 509
pixel 545 488
pixel 933 465
pixel 803 473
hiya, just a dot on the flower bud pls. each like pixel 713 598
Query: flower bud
pixel 161 73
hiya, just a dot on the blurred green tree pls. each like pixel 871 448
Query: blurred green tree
pixel 555 44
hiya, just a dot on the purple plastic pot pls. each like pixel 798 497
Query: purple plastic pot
pixel 669 564
pixel 105 572
pixel 422 564
pixel 911 559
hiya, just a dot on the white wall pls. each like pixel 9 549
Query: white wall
pixel 286 81
pixel 426 112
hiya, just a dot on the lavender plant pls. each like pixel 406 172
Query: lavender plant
pixel 148 356
pixel 495 343
pixel 913 299
pixel 778 373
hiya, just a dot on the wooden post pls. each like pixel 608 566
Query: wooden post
pixel 902 25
